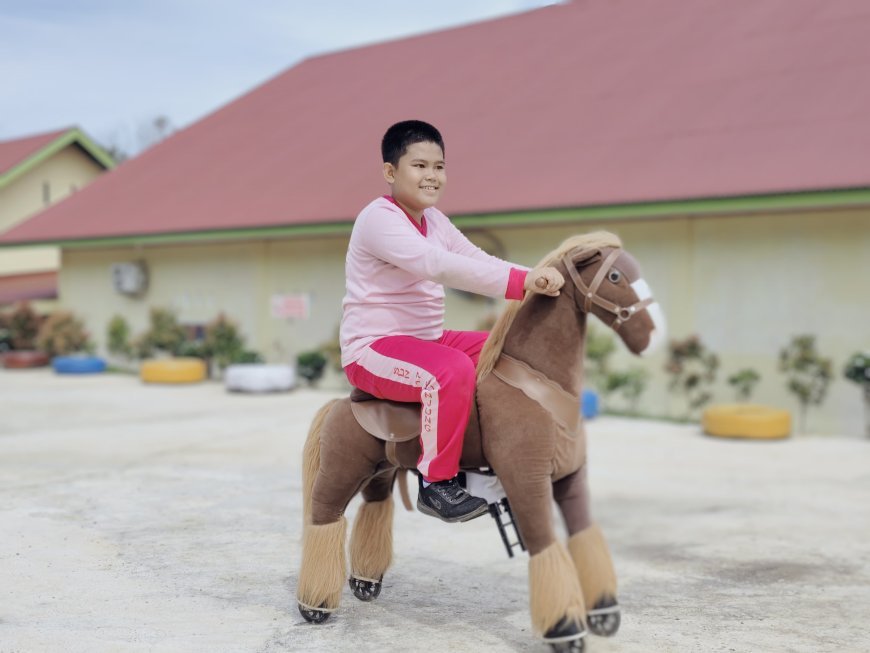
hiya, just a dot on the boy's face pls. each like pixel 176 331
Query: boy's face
pixel 419 179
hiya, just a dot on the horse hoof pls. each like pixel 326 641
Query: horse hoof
pixel 604 618
pixel 573 646
pixel 312 615
pixel 566 637
pixel 365 590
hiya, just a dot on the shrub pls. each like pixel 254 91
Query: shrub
pixel 118 337
pixel 5 336
pixel 23 326
pixel 808 375
pixel 599 348
pixel 223 342
pixel 310 365
pixel 743 381
pixel 62 333
pixel 630 384
pixel 165 335
pixel 332 350
pixel 693 370
pixel 857 370
pixel 247 356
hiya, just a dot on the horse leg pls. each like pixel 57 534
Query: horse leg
pixel 371 541
pixel 590 554
pixel 337 458
pixel 555 597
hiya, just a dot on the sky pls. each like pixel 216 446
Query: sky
pixel 112 67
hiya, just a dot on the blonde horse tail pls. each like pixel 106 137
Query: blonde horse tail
pixel 311 459
pixel 402 478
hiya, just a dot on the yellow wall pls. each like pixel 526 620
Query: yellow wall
pixel 66 171
pixel 744 284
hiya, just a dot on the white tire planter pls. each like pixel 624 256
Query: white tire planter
pixel 254 377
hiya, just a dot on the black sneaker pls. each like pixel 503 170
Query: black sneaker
pixel 449 501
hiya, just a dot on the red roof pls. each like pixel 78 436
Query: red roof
pixel 591 102
pixel 14 152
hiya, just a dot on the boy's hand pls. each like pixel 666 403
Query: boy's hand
pixel 545 281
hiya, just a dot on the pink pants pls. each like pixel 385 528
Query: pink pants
pixel 439 374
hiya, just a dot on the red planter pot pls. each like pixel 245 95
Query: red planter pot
pixel 17 360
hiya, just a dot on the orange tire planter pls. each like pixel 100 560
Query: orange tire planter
pixel 173 370
pixel 19 360
pixel 748 421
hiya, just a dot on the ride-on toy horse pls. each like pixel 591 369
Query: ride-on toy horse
pixel 525 428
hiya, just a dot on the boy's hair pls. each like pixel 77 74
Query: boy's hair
pixel 398 137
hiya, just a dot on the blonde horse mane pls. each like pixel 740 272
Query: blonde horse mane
pixel 495 342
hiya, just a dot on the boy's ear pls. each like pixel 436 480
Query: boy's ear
pixel 389 172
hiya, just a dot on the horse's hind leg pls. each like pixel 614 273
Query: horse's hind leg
pixel 590 554
pixel 371 542
pixel 338 457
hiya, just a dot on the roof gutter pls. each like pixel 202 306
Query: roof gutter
pixel 746 205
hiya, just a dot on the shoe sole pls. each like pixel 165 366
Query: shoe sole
pixel 426 510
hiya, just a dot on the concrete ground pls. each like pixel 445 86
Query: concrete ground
pixel 167 519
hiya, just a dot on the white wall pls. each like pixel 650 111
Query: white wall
pixel 744 284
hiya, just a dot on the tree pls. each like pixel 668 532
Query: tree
pixel 744 381
pixel 693 370
pixel 808 375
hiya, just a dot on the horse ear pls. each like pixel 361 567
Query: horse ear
pixel 586 256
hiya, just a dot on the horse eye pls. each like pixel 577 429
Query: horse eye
pixel 614 276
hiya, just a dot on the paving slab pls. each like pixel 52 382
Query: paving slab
pixel 167 519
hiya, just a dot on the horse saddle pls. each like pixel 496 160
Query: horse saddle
pixel 391 421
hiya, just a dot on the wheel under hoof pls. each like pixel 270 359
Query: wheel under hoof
pixel 604 618
pixel 364 589
pixel 566 637
pixel 312 615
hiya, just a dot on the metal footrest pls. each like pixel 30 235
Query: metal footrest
pixel 504 519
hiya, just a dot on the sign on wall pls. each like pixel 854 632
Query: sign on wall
pixel 291 307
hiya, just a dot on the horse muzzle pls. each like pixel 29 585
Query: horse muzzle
pixel 660 330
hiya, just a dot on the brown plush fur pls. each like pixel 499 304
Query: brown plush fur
pixel 371 541
pixel 517 438
pixel 311 459
pixel 323 571
pixel 495 342
pixel 554 591
pixel 594 566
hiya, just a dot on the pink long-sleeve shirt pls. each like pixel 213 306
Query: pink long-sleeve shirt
pixel 396 272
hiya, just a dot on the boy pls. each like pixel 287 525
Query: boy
pixel 393 344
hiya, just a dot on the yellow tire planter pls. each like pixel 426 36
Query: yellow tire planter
pixel 746 421
pixel 173 370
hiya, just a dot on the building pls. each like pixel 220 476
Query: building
pixel 35 172
pixel 725 141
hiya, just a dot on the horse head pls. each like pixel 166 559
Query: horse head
pixel 607 283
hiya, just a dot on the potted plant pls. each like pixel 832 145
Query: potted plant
pixel 310 365
pixel 22 328
pixel 857 370
pixel 62 336
pixel 168 356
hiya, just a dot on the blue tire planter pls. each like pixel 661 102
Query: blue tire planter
pixel 589 405
pixel 78 364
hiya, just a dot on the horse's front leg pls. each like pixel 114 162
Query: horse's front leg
pixel 520 451
pixel 590 554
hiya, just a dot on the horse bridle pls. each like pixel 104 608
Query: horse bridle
pixel 622 314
